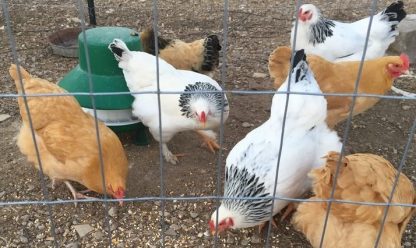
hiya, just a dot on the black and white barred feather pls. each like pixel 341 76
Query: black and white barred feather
pixel 191 94
pixel 321 30
pixel 239 183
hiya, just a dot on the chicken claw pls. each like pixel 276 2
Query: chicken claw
pixel 77 195
pixel 209 140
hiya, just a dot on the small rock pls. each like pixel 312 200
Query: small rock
pixel 170 232
pixel 200 235
pixel 25 218
pixel 40 236
pixel 113 226
pixel 405 107
pixel 30 187
pixel 244 242
pixel 181 214
pixel 72 245
pixel 112 212
pixel 2 193
pixel 98 235
pixel 246 124
pixel 175 227
pixel 23 239
pixel 194 215
pixel 4 117
pixel 75 19
pixel 255 240
pixel 407 244
pixel 259 75
pixel 83 229
pixel 229 240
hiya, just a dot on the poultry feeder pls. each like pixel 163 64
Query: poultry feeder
pixel 114 110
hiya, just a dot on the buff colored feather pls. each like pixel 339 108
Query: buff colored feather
pixel 363 178
pixel 341 77
pixel 66 137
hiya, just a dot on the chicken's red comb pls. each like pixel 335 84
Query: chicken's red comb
pixel 405 59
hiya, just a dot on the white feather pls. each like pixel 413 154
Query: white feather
pixel 140 73
pixel 306 140
pixel 348 39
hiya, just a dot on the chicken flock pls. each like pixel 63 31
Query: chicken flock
pixel 265 165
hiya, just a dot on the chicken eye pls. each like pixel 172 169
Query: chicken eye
pixel 307 12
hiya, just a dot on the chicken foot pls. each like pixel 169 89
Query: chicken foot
pixel 209 139
pixel 77 195
pixel 169 156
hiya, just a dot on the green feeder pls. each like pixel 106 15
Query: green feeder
pixel 114 110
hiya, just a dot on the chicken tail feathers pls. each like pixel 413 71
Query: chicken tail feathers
pixel 148 41
pixel 212 50
pixel 14 73
pixel 119 49
pixel 395 13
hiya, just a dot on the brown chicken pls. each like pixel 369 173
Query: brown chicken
pixel 362 178
pixel 66 138
pixel 200 56
pixel 377 78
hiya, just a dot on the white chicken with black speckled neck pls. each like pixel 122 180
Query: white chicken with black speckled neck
pixel 180 112
pixel 251 164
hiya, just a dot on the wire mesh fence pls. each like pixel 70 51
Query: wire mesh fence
pixel 258 28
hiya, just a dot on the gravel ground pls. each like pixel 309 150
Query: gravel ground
pixel 256 27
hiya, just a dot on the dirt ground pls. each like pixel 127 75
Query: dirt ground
pixel 256 27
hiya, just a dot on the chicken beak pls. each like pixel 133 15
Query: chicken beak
pixel 406 72
pixel 203 119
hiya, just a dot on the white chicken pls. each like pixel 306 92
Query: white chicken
pixel 251 164
pixel 338 41
pixel 180 112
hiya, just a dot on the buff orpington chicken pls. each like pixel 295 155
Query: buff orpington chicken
pixel 377 78
pixel 201 55
pixel 66 138
pixel 362 178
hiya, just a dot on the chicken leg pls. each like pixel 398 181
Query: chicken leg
pixel 209 138
pixel 289 209
pixel 169 156
pixel 77 195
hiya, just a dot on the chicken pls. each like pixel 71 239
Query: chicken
pixel 377 78
pixel 362 178
pixel 338 41
pixel 200 56
pixel 251 164
pixel 190 110
pixel 66 138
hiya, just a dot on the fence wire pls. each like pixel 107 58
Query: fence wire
pixel 80 7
